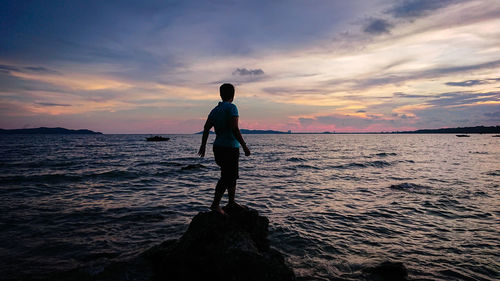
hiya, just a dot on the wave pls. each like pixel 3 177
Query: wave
pixel 406 186
pixel 376 164
pixel 493 173
pixel 304 166
pixel 47 178
pixel 160 163
pixel 385 154
pixel 142 217
pixel 71 177
pixel 478 152
pixel 193 167
pixel 296 159
pixel 41 164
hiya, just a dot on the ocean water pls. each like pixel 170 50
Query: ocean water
pixel 337 204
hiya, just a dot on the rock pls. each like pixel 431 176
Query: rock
pixel 216 247
pixel 388 271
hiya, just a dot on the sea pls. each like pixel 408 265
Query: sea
pixel 337 203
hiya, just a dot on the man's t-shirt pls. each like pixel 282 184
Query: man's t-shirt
pixel 221 117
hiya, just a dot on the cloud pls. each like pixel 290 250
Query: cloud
pixel 7 68
pixel 450 99
pixel 40 69
pixel 248 72
pixel 377 26
pixel 390 78
pixel 417 8
pixel 52 104
pixel 493 115
pixel 463 98
pixel 27 69
pixel 409 96
pixel 470 83
pixel 361 111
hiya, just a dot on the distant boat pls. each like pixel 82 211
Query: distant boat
pixel 463 136
pixel 157 138
pixel 496 136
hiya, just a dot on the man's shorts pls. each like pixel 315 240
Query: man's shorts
pixel 227 159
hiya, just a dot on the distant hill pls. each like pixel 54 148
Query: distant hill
pixel 262 132
pixel 464 130
pixel 45 130
pixel 245 131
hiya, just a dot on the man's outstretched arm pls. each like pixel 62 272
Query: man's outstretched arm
pixel 237 135
pixel 206 130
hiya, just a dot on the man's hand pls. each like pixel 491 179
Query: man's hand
pixel 201 152
pixel 246 150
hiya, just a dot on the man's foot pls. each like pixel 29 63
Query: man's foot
pixel 218 209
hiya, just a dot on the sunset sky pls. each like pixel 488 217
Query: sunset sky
pixel 307 66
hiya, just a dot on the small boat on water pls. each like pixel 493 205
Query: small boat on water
pixel 496 136
pixel 157 138
pixel 463 136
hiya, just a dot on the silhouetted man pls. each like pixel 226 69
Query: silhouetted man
pixel 224 118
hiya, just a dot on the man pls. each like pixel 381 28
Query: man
pixel 224 118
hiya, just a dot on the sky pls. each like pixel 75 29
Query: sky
pixel 155 66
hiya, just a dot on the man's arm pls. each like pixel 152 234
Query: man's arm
pixel 206 130
pixel 237 135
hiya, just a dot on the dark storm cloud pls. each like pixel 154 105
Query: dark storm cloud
pixel 377 26
pixel 417 8
pixel 245 72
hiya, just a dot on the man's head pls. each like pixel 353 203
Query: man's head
pixel 226 92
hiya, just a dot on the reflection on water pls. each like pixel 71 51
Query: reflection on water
pixel 337 203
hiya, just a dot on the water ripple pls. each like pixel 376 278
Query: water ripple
pixel 337 204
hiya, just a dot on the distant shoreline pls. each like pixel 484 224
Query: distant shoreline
pixel 459 130
pixel 45 130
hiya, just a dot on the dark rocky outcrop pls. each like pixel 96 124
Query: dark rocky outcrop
pixel 215 247
pixel 388 271
pixel 221 248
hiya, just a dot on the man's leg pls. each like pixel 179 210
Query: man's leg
pixel 220 188
pixel 231 191
pixel 234 167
